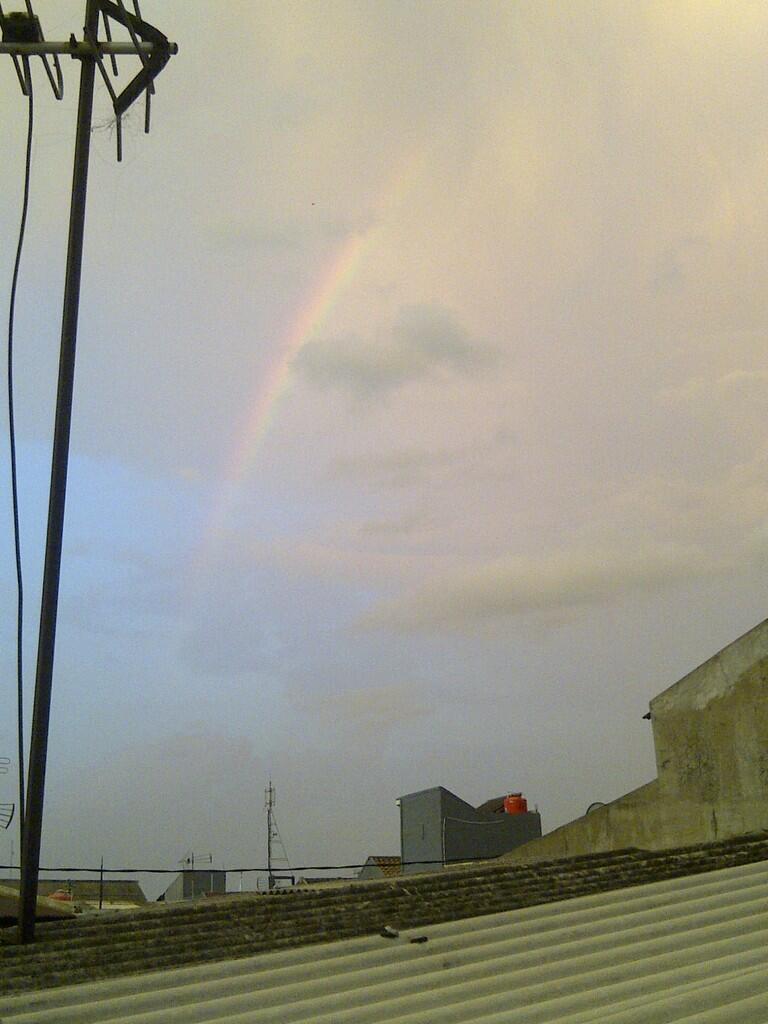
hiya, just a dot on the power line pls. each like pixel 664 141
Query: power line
pixel 12 442
pixel 263 870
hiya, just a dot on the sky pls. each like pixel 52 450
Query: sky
pixel 419 427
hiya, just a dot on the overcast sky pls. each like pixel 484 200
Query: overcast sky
pixel 420 412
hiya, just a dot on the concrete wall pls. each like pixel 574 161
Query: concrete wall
pixel 710 732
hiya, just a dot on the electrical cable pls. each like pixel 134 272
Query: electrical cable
pixel 12 442
pixel 263 870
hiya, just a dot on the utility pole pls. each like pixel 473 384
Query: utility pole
pixel 23 39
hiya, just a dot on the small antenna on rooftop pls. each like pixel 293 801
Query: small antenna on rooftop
pixel 6 810
pixel 188 860
pixel 23 39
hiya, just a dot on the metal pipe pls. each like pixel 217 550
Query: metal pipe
pixel 81 49
pixel 30 861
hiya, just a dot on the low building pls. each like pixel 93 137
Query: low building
pixel 85 894
pixel 188 885
pixel 438 828
pixel 380 867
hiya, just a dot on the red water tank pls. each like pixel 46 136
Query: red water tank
pixel 515 803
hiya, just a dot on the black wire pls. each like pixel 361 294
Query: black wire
pixel 280 872
pixel 12 439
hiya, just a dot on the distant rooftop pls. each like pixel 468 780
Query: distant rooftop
pixel 390 867
pixel 115 890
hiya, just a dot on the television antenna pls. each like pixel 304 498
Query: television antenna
pixel 23 39
pixel 6 810
pixel 188 860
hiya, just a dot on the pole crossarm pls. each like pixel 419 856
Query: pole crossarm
pixel 79 49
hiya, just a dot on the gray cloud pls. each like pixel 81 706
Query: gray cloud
pixel 286 234
pixel 399 526
pixel 517 586
pixel 401 468
pixel 372 709
pixel 423 340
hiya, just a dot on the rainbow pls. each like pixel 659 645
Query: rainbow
pixel 305 325
pixel 330 284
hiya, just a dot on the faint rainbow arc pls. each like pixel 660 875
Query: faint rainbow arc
pixel 274 384
pixel 329 286
pixel 305 325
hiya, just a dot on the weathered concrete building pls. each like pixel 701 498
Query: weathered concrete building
pixel 710 731
pixel 437 828
pixel 189 885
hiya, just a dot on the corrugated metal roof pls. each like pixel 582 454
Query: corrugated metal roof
pixel 692 949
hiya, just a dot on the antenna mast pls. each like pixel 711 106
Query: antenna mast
pixel 274 839
pixel 270 799
pixel 23 39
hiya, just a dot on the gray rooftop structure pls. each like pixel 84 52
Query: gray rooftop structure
pixel 438 828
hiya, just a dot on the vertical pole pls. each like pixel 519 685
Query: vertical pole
pixel 270 880
pixel 101 884
pixel 30 855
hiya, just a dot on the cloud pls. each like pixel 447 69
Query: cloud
pixel 408 467
pixel 423 340
pixel 400 526
pixel 401 468
pixel 737 383
pixel 346 558
pixel 673 269
pixel 287 234
pixel 517 586
pixel 372 709
pixel 724 509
